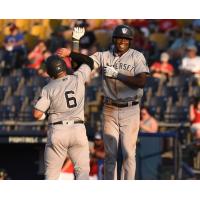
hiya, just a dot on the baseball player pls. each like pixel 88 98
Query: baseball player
pixel 124 76
pixel 63 99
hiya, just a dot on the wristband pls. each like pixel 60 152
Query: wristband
pixel 42 117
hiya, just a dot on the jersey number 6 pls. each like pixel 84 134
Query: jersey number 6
pixel 71 101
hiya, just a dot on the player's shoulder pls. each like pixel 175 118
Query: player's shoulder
pixel 136 53
pixel 52 84
pixel 47 86
pixel 104 52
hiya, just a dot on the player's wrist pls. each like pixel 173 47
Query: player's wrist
pixel 76 45
pixel 42 117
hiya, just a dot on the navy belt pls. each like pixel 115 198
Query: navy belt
pixel 120 105
pixel 67 122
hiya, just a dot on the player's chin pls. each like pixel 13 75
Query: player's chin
pixel 122 50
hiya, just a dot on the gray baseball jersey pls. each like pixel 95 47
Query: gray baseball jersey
pixel 130 63
pixel 63 98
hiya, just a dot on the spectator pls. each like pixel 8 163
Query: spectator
pixel 159 37
pixel 177 49
pixel 15 50
pixel 97 155
pixel 195 118
pixel 67 172
pixel 191 63
pixel 167 25
pixel 42 69
pixel 163 69
pixel 148 123
pixel 57 39
pixel 37 55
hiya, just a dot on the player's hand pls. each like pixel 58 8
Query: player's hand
pixel 78 32
pixel 110 72
pixel 63 52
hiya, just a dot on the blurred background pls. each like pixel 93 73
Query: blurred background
pixel 168 144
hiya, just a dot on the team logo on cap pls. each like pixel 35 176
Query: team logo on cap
pixel 124 30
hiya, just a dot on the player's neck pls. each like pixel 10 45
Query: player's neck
pixel 62 74
pixel 120 53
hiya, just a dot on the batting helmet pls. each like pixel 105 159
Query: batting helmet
pixel 123 31
pixel 55 65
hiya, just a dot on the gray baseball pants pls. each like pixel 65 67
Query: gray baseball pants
pixel 63 140
pixel 123 123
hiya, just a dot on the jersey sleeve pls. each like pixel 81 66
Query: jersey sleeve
pixel 96 58
pixel 43 101
pixel 141 65
pixel 84 72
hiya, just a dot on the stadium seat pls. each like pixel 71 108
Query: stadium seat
pixel 7 112
pixel 39 81
pixel 91 93
pixel 26 114
pixel 28 73
pixel 17 101
pixel 3 90
pixel 23 24
pixel 28 91
pixel 152 83
pixel 12 81
pixel 39 31
pixel 170 91
pixel 177 114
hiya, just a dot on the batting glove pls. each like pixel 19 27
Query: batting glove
pixel 78 32
pixel 110 72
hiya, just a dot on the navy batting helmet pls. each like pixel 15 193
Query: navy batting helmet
pixel 55 65
pixel 123 31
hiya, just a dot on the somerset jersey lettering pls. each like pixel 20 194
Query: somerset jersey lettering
pixel 123 66
pixel 130 63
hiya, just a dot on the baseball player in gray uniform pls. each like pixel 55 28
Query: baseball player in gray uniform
pixel 63 99
pixel 124 76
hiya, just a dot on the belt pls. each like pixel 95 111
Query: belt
pixel 120 105
pixel 67 122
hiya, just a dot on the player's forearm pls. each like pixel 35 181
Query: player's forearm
pixel 137 81
pixel 82 59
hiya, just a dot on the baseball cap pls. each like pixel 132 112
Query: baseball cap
pixel 97 136
pixel 164 56
pixel 191 47
pixel 187 31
